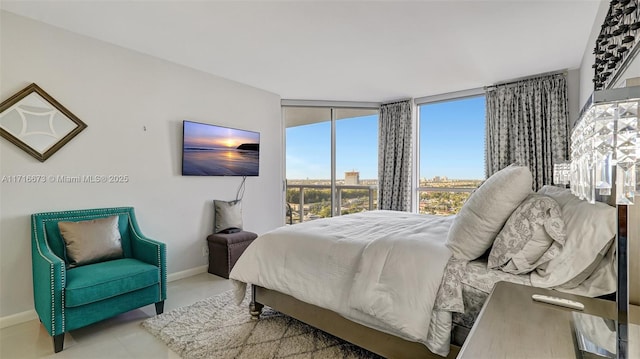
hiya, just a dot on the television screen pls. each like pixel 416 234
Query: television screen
pixel 209 150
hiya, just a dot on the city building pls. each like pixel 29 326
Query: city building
pixel 352 177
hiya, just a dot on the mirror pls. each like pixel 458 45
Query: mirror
pixel 37 123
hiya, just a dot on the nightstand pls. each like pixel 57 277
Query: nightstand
pixel 512 325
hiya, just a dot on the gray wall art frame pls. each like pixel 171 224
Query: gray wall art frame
pixel 37 123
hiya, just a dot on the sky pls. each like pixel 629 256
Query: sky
pixel 309 149
pixel 212 136
pixel 452 139
pixel 451 144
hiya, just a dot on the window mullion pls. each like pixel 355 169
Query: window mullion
pixel 333 163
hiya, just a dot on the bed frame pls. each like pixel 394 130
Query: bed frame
pixel 634 253
pixel 391 346
pixel 633 248
pixel 386 345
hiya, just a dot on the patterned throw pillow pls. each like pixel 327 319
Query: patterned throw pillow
pixel 533 235
pixel 591 228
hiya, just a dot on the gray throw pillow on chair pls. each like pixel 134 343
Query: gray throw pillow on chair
pixel 91 241
pixel 228 214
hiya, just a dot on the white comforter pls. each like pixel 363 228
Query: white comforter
pixel 381 268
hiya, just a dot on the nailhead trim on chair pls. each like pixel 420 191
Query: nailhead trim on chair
pixel 51 270
pixel 90 213
pixel 95 210
pixel 161 276
pixel 110 211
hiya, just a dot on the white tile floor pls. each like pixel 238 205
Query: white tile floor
pixel 118 337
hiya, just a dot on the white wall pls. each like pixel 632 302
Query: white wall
pixel 118 93
pixel 573 94
pixel 588 58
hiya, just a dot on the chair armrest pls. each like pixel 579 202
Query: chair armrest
pixel 49 273
pixel 152 252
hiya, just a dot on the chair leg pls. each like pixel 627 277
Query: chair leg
pixel 159 307
pixel 58 343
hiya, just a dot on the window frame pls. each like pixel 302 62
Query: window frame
pixel 332 106
pixel 430 100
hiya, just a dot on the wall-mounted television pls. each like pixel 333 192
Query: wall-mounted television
pixel 210 150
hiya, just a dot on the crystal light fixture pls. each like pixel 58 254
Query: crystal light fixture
pixel 562 174
pixel 606 137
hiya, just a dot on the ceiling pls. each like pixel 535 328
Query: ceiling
pixel 337 50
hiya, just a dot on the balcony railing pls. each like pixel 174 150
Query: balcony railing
pixel 368 199
pixel 432 200
pixel 446 189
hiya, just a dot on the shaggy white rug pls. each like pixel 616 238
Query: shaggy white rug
pixel 217 328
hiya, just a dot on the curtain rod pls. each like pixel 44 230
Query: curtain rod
pixel 322 103
pixel 396 101
pixel 526 78
pixel 478 91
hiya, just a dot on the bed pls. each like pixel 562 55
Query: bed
pixel 409 285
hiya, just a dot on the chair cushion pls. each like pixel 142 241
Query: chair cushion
pixel 95 282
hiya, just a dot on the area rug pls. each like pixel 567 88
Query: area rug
pixel 217 328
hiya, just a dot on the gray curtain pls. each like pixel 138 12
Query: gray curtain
pixel 528 124
pixel 394 156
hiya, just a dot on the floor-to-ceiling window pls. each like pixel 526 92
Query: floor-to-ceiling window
pixel 331 161
pixel 451 153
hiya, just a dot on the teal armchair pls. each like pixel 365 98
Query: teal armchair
pixel 70 298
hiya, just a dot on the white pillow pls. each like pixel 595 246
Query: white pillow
pixel 591 228
pixel 532 236
pixel 601 281
pixel 483 215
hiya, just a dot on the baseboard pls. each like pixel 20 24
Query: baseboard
pixel 18 318
pixel 187 273
pixel 28 315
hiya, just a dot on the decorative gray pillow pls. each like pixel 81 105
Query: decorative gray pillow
pixel 483 214
pixel 533 235
pixel 227 215
pixel 91 241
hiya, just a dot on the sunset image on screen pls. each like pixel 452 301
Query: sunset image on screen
pixel 210 150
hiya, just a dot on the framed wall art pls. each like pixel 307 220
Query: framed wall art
pixel 37 123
